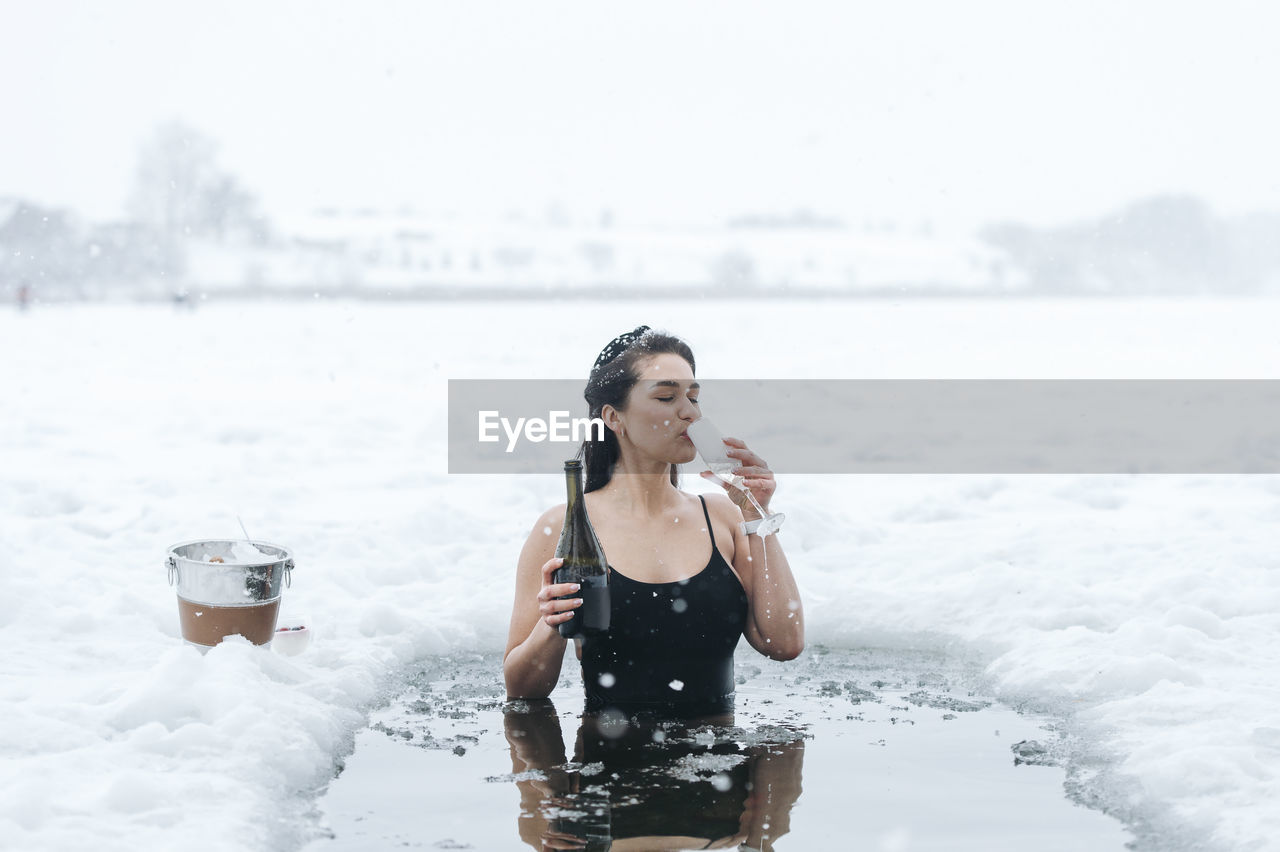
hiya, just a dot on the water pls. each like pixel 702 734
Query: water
pixel 838 749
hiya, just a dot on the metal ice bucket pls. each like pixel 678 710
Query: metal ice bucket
pixel 220 599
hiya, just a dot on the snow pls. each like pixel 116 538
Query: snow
pixel 1145 607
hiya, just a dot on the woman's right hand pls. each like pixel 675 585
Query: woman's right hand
pixel 554 612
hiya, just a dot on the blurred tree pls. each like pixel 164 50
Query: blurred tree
pixel 1171 244
pixel 734 271
pixel 181 193
pixel 38 250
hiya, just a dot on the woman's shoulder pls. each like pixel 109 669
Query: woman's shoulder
pixel 549 522
pixel 720 506
pixel 724 513
pixel 543 537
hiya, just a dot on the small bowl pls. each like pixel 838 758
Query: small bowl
pixel 293 634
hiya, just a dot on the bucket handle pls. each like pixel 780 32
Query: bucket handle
pixel 173 569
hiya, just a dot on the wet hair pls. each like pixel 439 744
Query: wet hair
pixel 611 380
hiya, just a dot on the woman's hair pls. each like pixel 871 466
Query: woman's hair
pixel 612 378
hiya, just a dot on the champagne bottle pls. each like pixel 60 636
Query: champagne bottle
pixel 584 561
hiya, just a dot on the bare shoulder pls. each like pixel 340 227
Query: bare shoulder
pixel 723 509
pixel 552 520
pixel 543 536
pixel 726 517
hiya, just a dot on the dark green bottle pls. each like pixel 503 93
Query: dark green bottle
pixel 584 561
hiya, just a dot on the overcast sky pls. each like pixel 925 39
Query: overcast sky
pixel 958 112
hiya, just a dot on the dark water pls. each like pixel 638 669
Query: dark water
pixel 838 749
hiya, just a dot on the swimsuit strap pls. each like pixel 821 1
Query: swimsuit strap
pixel 707 515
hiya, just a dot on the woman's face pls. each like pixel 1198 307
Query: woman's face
pixel 660 407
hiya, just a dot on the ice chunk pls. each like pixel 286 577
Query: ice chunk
pixel 243 553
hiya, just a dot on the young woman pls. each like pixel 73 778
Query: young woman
pixel 686 582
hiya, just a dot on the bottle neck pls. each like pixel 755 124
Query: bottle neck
pixel 573 487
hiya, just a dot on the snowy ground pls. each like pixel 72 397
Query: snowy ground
pixel 1146 607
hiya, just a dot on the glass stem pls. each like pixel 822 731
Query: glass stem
pixel 737 482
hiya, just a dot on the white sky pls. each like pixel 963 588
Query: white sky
pixel 959 112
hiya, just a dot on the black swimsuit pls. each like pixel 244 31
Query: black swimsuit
pixel 669 648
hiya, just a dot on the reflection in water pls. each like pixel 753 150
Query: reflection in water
pixel 637 783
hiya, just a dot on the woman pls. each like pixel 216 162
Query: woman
pixel 686 582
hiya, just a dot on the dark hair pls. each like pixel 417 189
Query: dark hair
pixel 610 382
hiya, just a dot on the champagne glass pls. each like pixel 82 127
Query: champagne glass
pixel 710 445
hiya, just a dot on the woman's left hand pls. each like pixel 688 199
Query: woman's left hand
pixel 755 473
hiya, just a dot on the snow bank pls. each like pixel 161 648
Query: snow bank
pixel 1148 607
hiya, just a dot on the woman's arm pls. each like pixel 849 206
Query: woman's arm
pixel 775 617
pixel 535 649
pixel 775 620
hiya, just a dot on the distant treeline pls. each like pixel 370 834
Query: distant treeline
pixel 179 194
pixel 1164 245
pixel 51 253
pixel 193 227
